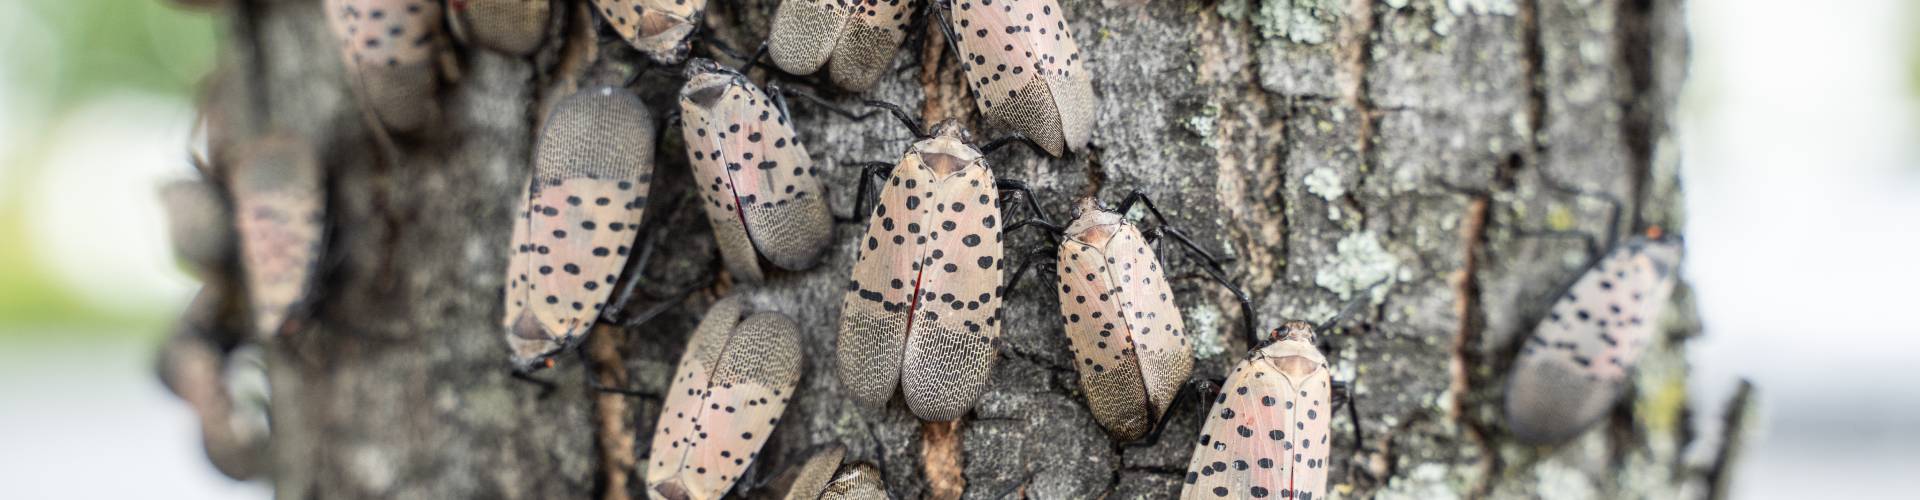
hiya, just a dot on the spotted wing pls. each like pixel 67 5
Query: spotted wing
pixel 750 388
pixel 873 319
pixel 388 46
pixel 955 328
pixel 658 28
pixel 592 170
pixel 1103 352
pixel 1153 321
pixel 528 341
pixel 867 47
pixel 510 26
pixel 804 34
pixel 1266 436
pixel 279 212
pixel 701 126
pixel 1026 70
pixel 776 183
pixel 1572 368
pixel 676 433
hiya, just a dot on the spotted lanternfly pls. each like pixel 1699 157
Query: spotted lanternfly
pixel 200 225
pixel 510 26
pixel 389 48
pixel 1128 339
pixel 923 306
pixel 279 213
pixel 658 28
pixel 592 169
pixel 1267 434
pixel 1575 365
pixel 823 477
pixel 1025 70
pixel 762 191
pixel 728 393
pixel 858 39
pixel 859 481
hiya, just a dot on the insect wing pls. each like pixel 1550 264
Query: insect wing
pixel 592 170
pixel 279 211
pixel 1266 436
pixel 804 34
pixel 658 28
pixel 955 328
pixel 1026 70
pixel 388 46
pixel 886 274
pixel 755 375
pixel 1153 321
pixel 1103 351
pixel 776 183
pixel 867 47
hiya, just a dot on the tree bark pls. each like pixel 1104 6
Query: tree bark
pixel 1311 141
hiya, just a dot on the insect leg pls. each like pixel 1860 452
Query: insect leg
pixel 781 92
pixel 587 370
pixel 1038 218
pixel 919 131
pixel 636 271
pixel 1027 264
pixel 1343 390
pixel 1615 207
pixel 996 144
pixel 868 171
pixel 1180 236
pixel 521 375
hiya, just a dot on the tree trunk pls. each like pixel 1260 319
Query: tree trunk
pixel 1310 140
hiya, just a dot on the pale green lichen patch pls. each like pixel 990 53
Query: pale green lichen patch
pixel 1557 480
pixel 1209 339
pixel 1358 262
pixel 1326 183
pixel 1300 21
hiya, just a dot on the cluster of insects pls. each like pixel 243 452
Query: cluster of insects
pixel 921 315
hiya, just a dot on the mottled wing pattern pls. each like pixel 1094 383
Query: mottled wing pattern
pixel 658 28
pixel 510 26
pixel 1153 320
pixel 873 319
pixel 816 473
pixel 1572 368
pixel 776 183
pixel 388 46
pixel 677 432
pixel 804 34
pixel 592 171
pixel 956 325
pixel 279 212
pixel 867 47
pixel 749 390
pixel 1267 434
pixel 1026 70
pixel 1097 332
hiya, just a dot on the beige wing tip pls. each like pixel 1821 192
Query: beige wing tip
pixel 1549 404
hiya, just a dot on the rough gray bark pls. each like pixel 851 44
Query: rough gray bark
pixel 1307 139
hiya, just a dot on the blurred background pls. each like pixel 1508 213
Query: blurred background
pixel 1800 136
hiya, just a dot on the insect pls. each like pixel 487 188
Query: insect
pixel 1267 434
pixel 856 40
pixel 732 384
pixel 1128 339
pixel 657 28
pixel 279 209
pixel 577 221
pixel 1025 70
pixel 824 477
pixel 514 27
pixel 199 224
pixel 923 306
pixel 762 191
pixel 1575 365
pixel 389 47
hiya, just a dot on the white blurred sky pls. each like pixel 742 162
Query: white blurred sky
pixel 1802 164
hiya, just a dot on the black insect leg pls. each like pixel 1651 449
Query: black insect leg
pixel 1615 207
pixel 1038 218
pixel 587 371
pixel 1343 394
pixel 1218 263
pixel 779 93
pixel 546 387
pixel 868 171
pixel 1025 265
pixel 614 311
pixel 996 144
pixel 1197 391
pixel 919 131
